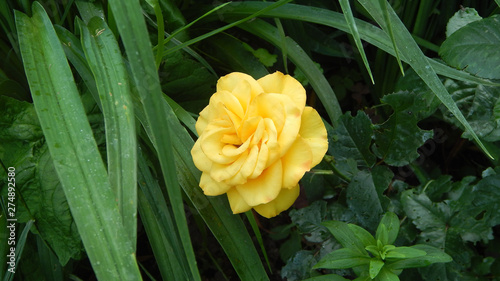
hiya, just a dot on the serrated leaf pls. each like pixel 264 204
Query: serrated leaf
pixel 480 106
pixel 397 139
pixel 342 259
pixel 351 139
pixel 460 19
pixel 299 266
pixel 474 48
pixel 309 219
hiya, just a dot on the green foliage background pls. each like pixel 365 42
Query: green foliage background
pixel 98 101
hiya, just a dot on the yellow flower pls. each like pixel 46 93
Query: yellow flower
pixel 256 140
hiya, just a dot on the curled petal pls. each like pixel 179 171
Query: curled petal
pixel 286 85
pixel 241 85
pixel 296 162
pixel 236 201
pixel 200 160
pixel 313 131
pixel 211 145
pixel 211 187
pixel 262 189
pixel 284 201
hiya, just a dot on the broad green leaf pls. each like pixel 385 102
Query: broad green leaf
pixel 398 138
pixel 363 200
pixel 51 267
pixel 299 267
pixel 344 235
pixel 404 253
pixel 474 48
pixel 375 267
pixel 363 235
pixel 460 19
pixel 309 219
pixel 391 223
pixel 343 258
pixel 133 31
pixel 72 146
pixel 22 146
pixel 479 105
pixel 351 139
pixel 105 60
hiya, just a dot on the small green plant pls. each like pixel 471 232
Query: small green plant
pixel 376 258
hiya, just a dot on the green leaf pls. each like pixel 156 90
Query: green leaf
pixel 327 277
pixel 375 267
pixel 105 60
pixel 133 31
pixel 309 219
pixel 391 223
pixel 342 258
pixel 480 106
pixel 398 138
pixel 363 200
pixel 460 19
pixel 387 275
pixel 416 59
pixel 404 253
pixel 299 267
pixel 433 255
pixel 351 139
pixel 344 235
pixel 73 148
pixel 363 235
pixel 474 48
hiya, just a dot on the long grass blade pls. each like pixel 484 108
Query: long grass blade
pixel 73 149
pixel 218 30
pixel 105 60
pixel 133 31
pixel 367 32
pixel 390 32
pixel 420 64
pixel 346 9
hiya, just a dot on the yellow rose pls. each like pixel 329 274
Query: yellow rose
pixel 256 140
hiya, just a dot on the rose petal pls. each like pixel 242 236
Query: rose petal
pixel 211 187
pixel 264 188
pixel 286 85
pixel 285 200
pixel 236 201
pixel 243 86
pixel 200 160
pixel 222 172
pixel 313 131
pixel 211 145
pixel 296 162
